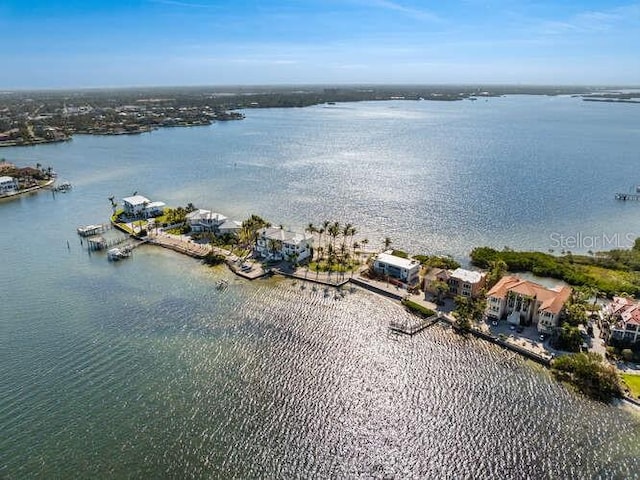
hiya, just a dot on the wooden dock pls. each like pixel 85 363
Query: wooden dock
pixel 195 250
pixel 628 196
pixel 413 326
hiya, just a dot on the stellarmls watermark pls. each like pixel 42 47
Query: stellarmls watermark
pixel 584 241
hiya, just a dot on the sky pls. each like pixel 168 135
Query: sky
pixel 116 43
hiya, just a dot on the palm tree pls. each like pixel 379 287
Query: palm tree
pixel 293 258
pixel 326 224
pixel 352 233
pixel 334 231
pixel 311 229
pixel 343 258
pixel 274 246
pixel 320 231
pixel 364 243
pixel 346 231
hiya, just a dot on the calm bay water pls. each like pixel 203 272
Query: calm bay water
pixel 142 369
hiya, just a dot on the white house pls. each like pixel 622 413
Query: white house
pixel 155 209
pixel 278 244
pixel 137 205
pixel 623 315
pixel 229 227
pixel 523 302
pixel 205 220
pixel 404 269
pixel 8 185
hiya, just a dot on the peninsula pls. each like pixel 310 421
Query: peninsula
pixel 18 180
pixel 538 322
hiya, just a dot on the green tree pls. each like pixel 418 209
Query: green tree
pixel 497 269
pixel 441 288
pixel 568 338
pixel 589 374
pixel 311 229
pixel 468 310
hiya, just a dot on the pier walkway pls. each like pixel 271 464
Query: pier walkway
pixel 178 244
pixel 413 326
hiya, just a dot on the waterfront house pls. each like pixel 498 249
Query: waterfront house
pixel 275 244
pixel 523 302
pixel 466 283
pixel 404 269
pixel 8 185
pixel 435 274
pixel 229 227
pixel 154 209
pixel 201 220
pixel 623 316
pixel 139 206
pixel 135 205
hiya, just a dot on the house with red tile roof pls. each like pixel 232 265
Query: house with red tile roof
pixel 623 315
pixel 523 302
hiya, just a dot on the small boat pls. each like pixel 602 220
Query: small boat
pixel 63 187
pixel 116 254
pixel 222 284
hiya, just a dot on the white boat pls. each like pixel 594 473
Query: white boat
pixel 116 254
pixel 63 187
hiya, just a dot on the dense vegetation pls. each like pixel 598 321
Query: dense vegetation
pixel 469 310
pixel 418 309
pixel 213 258
pixel 437 261
pixel 612 272
pixel 589 374
pixel 569 338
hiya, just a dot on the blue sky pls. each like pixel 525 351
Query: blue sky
pixel 88 43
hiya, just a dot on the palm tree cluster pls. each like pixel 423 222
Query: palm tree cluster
pixel 336 245
pixel 248 234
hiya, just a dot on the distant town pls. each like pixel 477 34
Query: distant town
pixel 29 118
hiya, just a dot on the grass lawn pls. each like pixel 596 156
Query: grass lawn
pixel 633 382
pixel 335 267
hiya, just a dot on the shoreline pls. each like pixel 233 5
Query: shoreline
pixel 180 244
pixel 48 183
